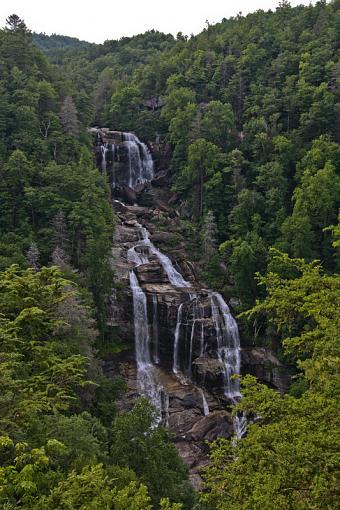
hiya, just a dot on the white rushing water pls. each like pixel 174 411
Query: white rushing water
pixel 227 334
pixel 155 333
pixel 145 369
pixel 141 167
pixel 192 334
pixel 228 345
pixel 240 425
pixel 140 163
pixel 206 410
pixel 175 366
pixel 136 256
pixel 175 278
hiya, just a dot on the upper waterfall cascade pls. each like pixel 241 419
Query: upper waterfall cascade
pixel 127 151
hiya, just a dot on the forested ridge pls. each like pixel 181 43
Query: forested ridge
pixel 248 114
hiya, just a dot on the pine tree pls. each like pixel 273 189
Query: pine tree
pixel 16 24
pixel 33 255
pixel 69 116
pixel 209 235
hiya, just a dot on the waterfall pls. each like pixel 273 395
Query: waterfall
pixel 145 369
pixel 139 160
pixel 130 163
pixel 228 345
pixel 155 334
pixel 175 367
pixel 140 322
pixel 226 329
pixel 136 256
pixel 202 331
pixel 104 150
pixel 240 425
pixel 175 278
pixel 229 353
pixel 205 406
pixel 192 334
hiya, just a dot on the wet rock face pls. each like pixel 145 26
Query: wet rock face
pixel 125 159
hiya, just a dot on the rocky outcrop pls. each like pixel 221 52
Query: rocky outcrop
pixel 263 364
pixel 187 400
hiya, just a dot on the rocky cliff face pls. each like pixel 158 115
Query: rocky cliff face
pixel 195 407
pixel 126 160
pixel 190 340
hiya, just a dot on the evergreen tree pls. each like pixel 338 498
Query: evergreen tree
pixel 15 24
pixel 33 255
pixel 209 235
pixel 69 117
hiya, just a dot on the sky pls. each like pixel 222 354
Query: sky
pixel 96 21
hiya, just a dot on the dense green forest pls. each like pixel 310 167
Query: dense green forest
pixel 62 445
pixel 251 118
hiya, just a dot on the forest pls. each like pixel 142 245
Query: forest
pixel 247 114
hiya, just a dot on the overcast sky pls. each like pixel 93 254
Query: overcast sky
pixel 96 21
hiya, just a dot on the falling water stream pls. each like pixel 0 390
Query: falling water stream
pixel 175 366
pixel 145 369
pixel 227 334
pixel 141 169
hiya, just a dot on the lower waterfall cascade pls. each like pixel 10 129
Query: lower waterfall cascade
pixel 145 368
pixel 226 330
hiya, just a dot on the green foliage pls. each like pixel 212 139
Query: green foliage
pixel 217 121
pixel 288 460
pixel 177 100
pixel 316 202
pixel 250 117
pixel 204 158
pixel 287 463
pixel 42 372
pixel 53 453
pixel 124 105
pixel 93 488
pixel 149 452
pixel 263 89
pixel 305 310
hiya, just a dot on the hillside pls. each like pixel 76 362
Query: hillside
pixel 48 43
pixel 169 266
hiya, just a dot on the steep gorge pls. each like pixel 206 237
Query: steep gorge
pixel 187 352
